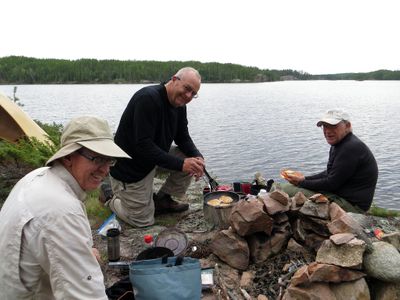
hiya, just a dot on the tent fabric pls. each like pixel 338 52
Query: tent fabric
pixel 15 123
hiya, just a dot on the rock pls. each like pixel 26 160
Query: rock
pixel 230 276
pixel 315 225
pixel 283 227
pixel 247 279
pixel 248 217
pixel 273 206
pixel 231 248
pixel 335 211
pixel 341 238
pixel 300 277
pixel 346 224
pixel 280 218
pixel 259 247
pixel 299 199
pixel 353 290
pixel 314 291
pixel 383 262
pixel 295 246
pixel 331 273
pixel 319 198
pixel 349 255
pixel 279 241
pixel 262 246
pixel 314 241
pixel 280 196
pixel 384 290
pixel 392 238
pixel 298 231
pixel 318 210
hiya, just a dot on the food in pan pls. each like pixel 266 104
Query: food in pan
pixel 222 201
pixel 226 199
pixel 214 202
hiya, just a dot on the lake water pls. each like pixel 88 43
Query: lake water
pixel 245 128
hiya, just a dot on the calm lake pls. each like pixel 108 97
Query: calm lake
pixel 245 128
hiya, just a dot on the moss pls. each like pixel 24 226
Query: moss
pixel 382 212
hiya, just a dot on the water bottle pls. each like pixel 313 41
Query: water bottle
pixel 113 248
pixel 148 241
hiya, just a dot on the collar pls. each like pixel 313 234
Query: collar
pixel 60 171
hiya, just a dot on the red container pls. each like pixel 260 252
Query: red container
pixel 224 187
pixel 246 186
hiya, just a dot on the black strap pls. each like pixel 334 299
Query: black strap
pixel 164 259
pixel 179 260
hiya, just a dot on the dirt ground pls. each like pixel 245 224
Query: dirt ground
pixel 266 275
pixel 199 234
pixel 269 278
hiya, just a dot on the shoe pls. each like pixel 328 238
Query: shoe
pixel 165 205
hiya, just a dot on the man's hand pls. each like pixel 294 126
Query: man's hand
pixel 194 166
pixel 295 178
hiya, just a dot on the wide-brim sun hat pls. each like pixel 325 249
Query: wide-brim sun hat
pixel 90 132
pixel 333 117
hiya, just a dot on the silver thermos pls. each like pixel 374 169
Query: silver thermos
pixel 113 244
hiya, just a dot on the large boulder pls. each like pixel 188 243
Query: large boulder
pixel 231 248
pixel 248 217
pixel 383 262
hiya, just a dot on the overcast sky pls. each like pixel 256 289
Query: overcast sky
pixel 314 36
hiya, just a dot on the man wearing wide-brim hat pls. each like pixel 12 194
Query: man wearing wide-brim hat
pixel 352 172
pixel 46 240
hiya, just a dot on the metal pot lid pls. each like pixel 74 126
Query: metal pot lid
pixel 172 239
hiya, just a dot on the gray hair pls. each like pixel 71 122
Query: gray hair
pixel 182 72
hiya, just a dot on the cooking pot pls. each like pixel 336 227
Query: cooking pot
pixel 218 216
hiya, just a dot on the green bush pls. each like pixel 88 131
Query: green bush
pixel 17 159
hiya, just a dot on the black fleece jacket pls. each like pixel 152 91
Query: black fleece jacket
pixel 351 173
pixel 146 131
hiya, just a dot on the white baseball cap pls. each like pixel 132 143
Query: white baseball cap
pixel 333 117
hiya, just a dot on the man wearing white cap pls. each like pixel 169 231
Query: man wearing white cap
pixel 46 240
pixel 352 172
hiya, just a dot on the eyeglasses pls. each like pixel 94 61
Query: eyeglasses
pixel 188 89
pixel 98 160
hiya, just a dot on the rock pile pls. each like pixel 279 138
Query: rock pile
pixel 349 264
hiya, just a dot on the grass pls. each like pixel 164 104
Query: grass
pixel 382 212
pixel 96 211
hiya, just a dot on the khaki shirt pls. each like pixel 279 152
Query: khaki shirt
pixel 46 241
